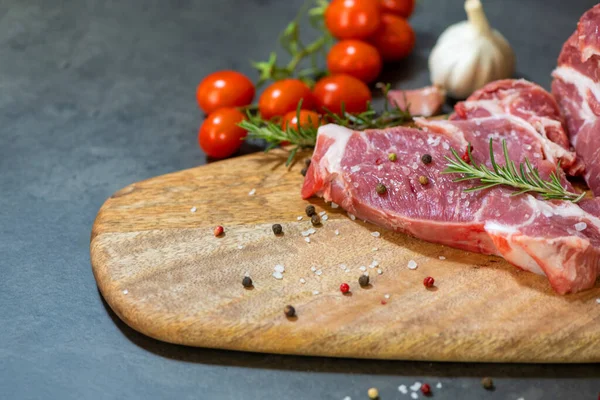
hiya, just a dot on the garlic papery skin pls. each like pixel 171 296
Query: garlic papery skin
pixel 470 54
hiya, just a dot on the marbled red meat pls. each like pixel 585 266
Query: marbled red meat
pixel 576 86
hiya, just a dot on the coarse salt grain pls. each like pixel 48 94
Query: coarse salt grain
pixel 580 226
pixel 375 263
pixel 322 213
pixel 379 271
pixel 387 296
pixel 355 168
pixel 337 232
pixel 598 300
pixel 371 266
pixel 315 292
pixel 352 216
pixel 414 395
pixel 307 239
pixel 412 264
pixel 240 246
pixel 252 192
pixel 445 145
pixel 279 268
pixel 334 205
pixel 347 398
pixel 299 218
pixel 521 398
pixel 442 258
pixel 318 272
pixel 402 389
pixel 374 249
pixel 125 291
pixel 247 273
pixel 363 268
pixel 277 275
pixel 302 281
pixel 347 270
pixel 375 234
pixel 415 386
pixel 193 209
pixel 313 268
pixel 439 385
pixel 324 218
pixel 343 266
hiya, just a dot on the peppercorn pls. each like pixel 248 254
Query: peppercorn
pixel 363 281
pixel 247 282
pixel 380 188
pixel 428 282
pixel 277 229
pixel 310 210
pixel 426 159
pixel 218 231
pixel 289 311
pixel 307 162
pixel 487 383
pixel 315 219
pixel 344 288
pixel 303 171
pixel 392 157
pixel 465 157
pixel 373 393
pixel 423 180
pixel 426 389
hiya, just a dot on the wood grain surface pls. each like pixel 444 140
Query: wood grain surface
pixel 160 268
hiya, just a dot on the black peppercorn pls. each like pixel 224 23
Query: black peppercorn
pixel 307 162
pixel 289 311
pixel 426 158
pixel 277 229
pixel 487 383
pixel 310 210
pixel 303 171
pixel 315 219
pixel 423 180
pixel 380 188
pixel 247 282
pixel 363 281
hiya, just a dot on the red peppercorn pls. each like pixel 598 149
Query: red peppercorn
pixel 344 288
pixel 428 282
pixel 383 302
pixel 219 230
pixel 465 157
pixel 425 389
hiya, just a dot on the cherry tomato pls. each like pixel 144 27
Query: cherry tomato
pixel 307 119
pixel 219 135
pixel 283 96
pixel 224 89
pixel 355 58
pixel 401 8
pixel 331 91
pixel 352 19
pixel 395 39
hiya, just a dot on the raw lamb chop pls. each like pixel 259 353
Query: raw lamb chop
pixel 425 102
pixel 576 85
pixel 557 239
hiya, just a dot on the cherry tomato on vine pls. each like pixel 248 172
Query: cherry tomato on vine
pixel 283 96
pixel 395 38
pixel 353 57
pixel 402 8
pixel 224 89
pixel 331 91
pixel 352 19
pixel 219 135
pixel 307 119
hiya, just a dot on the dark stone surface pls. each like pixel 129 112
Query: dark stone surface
pixel 95 95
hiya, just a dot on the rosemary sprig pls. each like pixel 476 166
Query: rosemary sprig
pixel 306 137
pixel 525 178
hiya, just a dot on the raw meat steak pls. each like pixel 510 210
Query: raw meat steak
pixel 557 239
pixel 425 102
pixel 527 101
pixel 576 85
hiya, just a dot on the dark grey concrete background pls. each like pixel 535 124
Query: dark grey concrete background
pixel 95 95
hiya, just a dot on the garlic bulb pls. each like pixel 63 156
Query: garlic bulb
pixel 470 54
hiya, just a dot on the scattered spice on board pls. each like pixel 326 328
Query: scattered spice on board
pixel 307 162
pixel 423 180
pixel 344 288
pixel 402 389
pixel 277 229
pixel 363 281
pixel 303 171
pixel 337 232
pixel 219 231
pixel 322 213
pixel 487 383
pixel 315 219
pixel 252 192
pixel 426 159
pixel 439 385
pixel 125 291
pixel 310 210
pixel 302 281
pixel 373 393
pixel 383 302
pixel 380 189
pixel 247 282
pixel 392 157
pixel 289 311
pixel 442 258
pixel 426 389
pixel 193 209
pixel 412 264
pixel 299 218
pixel 428 282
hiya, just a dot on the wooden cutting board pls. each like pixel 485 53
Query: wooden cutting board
pixel 164 273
